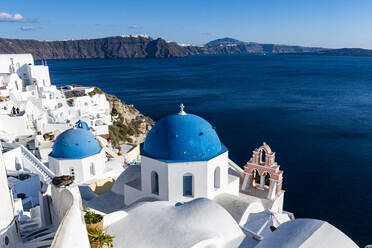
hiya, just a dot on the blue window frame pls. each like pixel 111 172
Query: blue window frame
pixel 187 186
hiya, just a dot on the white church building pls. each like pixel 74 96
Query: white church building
pixel 182 159
pixel 77 152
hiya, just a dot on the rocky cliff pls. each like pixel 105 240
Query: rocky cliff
pixel 130 125
pixel 137 47
pixel 111 47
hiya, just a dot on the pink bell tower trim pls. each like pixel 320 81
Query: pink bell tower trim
pixel 262 176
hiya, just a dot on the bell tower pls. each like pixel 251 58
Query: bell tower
pixel 262 176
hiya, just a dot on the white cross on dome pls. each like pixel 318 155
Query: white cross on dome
pixel 182 107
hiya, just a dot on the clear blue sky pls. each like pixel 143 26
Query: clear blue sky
pixel 326 23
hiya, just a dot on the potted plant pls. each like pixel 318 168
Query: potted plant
pixel 93 220
pixel 99 239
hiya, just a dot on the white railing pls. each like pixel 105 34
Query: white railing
pixel 41 168
pixel 236 167
pixel 251 234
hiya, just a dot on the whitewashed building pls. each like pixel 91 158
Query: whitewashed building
pixel 76 152
pixel 182 159
pixel 30 104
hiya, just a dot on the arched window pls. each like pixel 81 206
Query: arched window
pixel 187 185
pixel 256 176
pixel 267 179
pixel 154 183
pixel 217 177
pixel 263 156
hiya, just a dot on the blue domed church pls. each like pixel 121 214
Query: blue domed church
pixel 77 152
pixel 182 159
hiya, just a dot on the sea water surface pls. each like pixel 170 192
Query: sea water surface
pixel 315 112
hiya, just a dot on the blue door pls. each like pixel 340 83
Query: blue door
pixel 187 185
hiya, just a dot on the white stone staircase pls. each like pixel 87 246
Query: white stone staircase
pixel 33 234
pixel 35 165
pixel 39 238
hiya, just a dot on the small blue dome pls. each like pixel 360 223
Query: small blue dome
pixel 75 143
pixel 183 137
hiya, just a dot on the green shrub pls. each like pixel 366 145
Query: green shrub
pixel 92 218
pixel 101 237
pixel 120 132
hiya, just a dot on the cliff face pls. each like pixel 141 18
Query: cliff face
pixel 130 126
pixel 159 48
pixel 111 47
pixel 137 47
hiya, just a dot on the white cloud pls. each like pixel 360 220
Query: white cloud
pixel 28 28
pixel 6 17
pixel 208 34
pixel 135 27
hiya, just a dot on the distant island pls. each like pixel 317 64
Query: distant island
pixel 342 52
pixel 143 46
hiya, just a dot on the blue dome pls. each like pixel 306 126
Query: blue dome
pixel 183 138
pixel 75 143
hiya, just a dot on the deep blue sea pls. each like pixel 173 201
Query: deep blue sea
pixel 315 112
